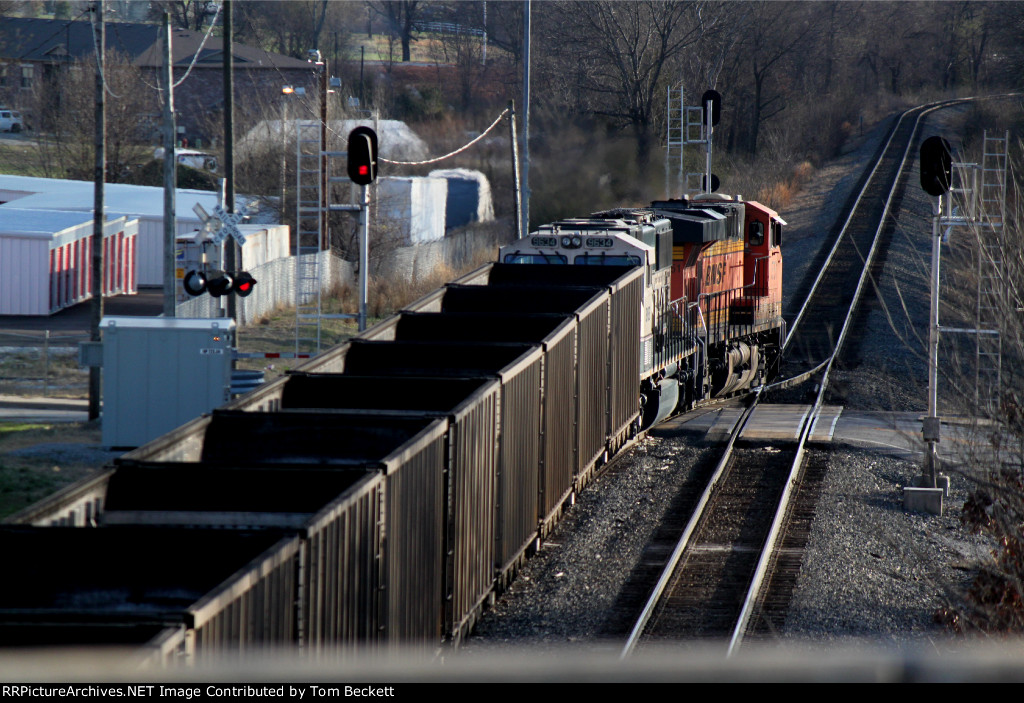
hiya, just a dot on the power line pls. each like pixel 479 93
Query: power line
pixel 99 63
pixel 449 155
pixel 195 57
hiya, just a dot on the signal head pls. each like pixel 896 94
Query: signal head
pixel 362 156
pixel 243 284
pixel 220 285
pixel 715 98
pixel 194 283
pixel 936 166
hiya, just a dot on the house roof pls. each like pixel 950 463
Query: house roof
pixel 42 40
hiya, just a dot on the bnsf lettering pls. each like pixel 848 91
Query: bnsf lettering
pixel 715 274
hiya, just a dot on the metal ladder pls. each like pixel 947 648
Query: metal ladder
pixel 988 349
pixel 308 220
pixel 684 125
pixel 675 138
pixel 696 133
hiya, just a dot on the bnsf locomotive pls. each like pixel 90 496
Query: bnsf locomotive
pixel 712 300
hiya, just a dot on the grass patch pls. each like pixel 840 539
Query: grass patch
pixel 27 478
pixel 30 372
pixel 18 158
pixel 11 429
pixel 423 50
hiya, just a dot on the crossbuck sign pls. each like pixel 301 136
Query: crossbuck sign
pixel 220 224
pixel 228 225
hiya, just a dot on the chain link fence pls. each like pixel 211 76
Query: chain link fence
pixel 42 363
pixel 275 287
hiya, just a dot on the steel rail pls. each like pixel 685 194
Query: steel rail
pixel 809 421
pixel 691 526
pixel 925 109
pixel 768 551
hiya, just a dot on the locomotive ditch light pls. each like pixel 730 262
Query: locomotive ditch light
pixel 220 285
pixel 243 284
pixel 362 156
pixel 936 166
pixel 194 283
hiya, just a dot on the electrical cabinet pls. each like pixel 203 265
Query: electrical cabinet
pixel 161 372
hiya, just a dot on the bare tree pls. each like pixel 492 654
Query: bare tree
pixel 967 28
pixel 187 14
pixel 293 27
pixel 618 52
pixel 774 32
pixel 64 106
pixel 402 16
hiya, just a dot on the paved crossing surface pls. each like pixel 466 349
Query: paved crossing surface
pixel 896 433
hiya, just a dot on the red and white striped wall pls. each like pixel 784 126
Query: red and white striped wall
pixel 46 260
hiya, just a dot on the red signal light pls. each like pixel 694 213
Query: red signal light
pixel 364 170
pixel 244 283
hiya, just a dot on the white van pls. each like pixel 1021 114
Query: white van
pixel 10 120
pixel 190 157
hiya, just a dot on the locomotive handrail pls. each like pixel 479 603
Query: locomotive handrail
pixel 754 283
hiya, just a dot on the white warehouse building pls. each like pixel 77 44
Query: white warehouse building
pixel 46 259
pixel 146 203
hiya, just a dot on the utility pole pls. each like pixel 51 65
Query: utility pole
pixel 170 175
pixel 525 220
pixel 98 218
pixel 230 257
pixel 517 202
pixel 325 238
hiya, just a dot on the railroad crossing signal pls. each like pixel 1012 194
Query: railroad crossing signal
pixel 362 156
pixel 222 223
pixel 219 283
pixel 194 283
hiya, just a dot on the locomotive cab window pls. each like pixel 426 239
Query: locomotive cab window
pixel 535 259
pixel 776 234
pixel 602 260
pixel 756 234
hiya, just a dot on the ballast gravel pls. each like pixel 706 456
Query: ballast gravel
pixel 872 573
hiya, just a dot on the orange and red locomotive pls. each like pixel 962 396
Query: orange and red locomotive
pixel 712 303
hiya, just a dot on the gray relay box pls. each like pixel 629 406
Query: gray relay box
pixel 161 372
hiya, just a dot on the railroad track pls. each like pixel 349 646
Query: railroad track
pixel 736 560
pixel 818 329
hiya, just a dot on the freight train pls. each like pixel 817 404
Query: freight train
pixel 712 321
pixel 385 491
